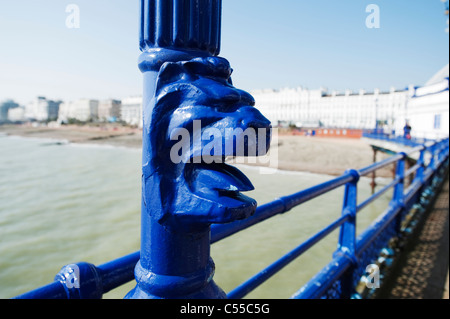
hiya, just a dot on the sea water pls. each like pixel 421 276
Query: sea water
pixel 63 203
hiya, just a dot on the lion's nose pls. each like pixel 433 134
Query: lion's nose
pixel 252 117
pixel 261 126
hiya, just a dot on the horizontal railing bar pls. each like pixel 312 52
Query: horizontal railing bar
pixel 268 272
pixel 315 191
pixel 279 206
pixel 416 185
pixel 428 173
pixel 219 232
pixel 372 232
pixel 54 290
pixel 376 166
pixel 113 274
pixel 412 190
pixel 315 287
pixel 118 272
pixel 377 194
pixel 415 150
pixel 413 169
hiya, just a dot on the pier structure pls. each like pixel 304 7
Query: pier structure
pixel 191 199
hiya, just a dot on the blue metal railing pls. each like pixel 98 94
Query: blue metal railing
pixel 411 142
pixel 339 278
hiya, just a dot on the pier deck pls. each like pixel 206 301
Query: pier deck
pixel 422 270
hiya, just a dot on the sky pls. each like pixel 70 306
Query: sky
pixel 269 43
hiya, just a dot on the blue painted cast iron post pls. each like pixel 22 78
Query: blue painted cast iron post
pixel 421 162
pixel 399 196
pixel 187 88
pixel 347 235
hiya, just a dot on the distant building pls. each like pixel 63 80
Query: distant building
pixel 320 108
pixel 41 109
pixel 66 112
pixel 83 110
pixel 16 114
pixel 427 111
pixel 131 111
pixel 4 109
pixel 109 109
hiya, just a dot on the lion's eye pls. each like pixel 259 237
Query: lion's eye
pixel 207 121
pixel 227 108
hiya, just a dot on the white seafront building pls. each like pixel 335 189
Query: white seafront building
pixel 41 109
pixel 428 108
pixel 109 110
pixel 424 108
pixel 314 108
pixel 82 110
pixel 16 114
pixel 131 111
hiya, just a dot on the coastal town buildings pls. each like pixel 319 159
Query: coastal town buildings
pixel 16 114
pixel 128 110
pixel 424 108
pixel 82 110
pixel 109 110
pixel 41 109
pixel 131 111
pixel 5 107
pixel 319 108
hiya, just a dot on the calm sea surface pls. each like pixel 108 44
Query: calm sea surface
pixel 61 204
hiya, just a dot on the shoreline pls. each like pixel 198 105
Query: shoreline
pixel 317 155
pixel 113 135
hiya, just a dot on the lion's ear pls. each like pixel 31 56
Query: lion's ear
pixel 170 72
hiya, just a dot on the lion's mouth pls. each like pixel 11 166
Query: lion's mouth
pixel 222 177
pixel 219 182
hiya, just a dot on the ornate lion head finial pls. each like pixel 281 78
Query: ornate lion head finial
pixel 198 119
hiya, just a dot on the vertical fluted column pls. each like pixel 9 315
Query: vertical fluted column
pixel 181 24
pixel 174 263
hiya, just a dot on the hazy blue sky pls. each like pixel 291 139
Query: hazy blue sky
pixel 270 44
